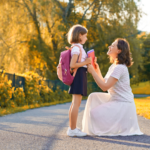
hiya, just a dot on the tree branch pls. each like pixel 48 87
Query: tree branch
pixel 6 51
pixel 59 4
pixel 67 9
pixel 99 8
pixel 16 1
pixel 28 8
pixel 34 17
pixel 80 21
pixel 49 28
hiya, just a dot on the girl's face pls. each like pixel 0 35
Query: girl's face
pixel 83 38
pixel 113 50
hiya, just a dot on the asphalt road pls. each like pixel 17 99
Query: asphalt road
pixel 45 129
pixel 140 95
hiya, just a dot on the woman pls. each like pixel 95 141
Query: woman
pixel 112 113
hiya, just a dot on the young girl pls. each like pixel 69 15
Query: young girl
pixel 77 35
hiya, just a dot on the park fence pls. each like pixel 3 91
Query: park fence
pixel 19 81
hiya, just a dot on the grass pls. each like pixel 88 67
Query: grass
pixel 6 111
pixel 141 88
pixel 143 107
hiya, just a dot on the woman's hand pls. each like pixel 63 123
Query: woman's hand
pixel 90 68
pixel 96 66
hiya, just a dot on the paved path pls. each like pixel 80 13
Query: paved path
pixel 140 95
pixel 45 129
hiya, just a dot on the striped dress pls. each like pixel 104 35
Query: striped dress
pixel 112 113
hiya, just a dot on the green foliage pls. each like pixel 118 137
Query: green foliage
pixel 5 91
pixel 61 95
pixel 92 87
pixel 42 32
pixel 32 88
pixel 144 71
pixel 35 95
pixel 47 95
pixel 19 97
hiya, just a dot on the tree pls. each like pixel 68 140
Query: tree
pixel 144 71
pixel 40 28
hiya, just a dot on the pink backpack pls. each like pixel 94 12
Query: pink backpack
pixel 63 68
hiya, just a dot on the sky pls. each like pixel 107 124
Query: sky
pixel 144 23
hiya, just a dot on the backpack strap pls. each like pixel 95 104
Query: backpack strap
pixel 79 59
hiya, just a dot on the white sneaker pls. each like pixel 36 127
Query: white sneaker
pixel 75 132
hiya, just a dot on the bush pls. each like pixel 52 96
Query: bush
pixel 35 95
pixel 19 97
pixel 5 91
pixel 32 88
pixel 47 95
pixel 61 95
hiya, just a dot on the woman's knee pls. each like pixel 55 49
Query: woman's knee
pixel 91 96
pixel 92 113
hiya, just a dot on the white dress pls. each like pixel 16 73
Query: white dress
pixel 112 113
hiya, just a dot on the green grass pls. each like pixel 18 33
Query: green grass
pixel 141 88
pixel 143 106
pixel 6 111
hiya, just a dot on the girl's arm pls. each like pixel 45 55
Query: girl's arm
pixel 100 82
pixel 75 64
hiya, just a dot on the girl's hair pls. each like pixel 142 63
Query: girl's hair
pixel 73 34
pixel 124 57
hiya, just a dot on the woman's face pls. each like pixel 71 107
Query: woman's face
pixel 83 38
pixel 113 50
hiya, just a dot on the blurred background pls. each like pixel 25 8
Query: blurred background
pixel 33 33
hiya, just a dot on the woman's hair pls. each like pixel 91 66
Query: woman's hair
pixel 73 34
pixel 124 57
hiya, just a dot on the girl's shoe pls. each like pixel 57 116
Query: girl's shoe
pixel 75 132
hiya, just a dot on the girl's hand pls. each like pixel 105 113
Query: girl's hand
pixel 90 68
pixel 88 60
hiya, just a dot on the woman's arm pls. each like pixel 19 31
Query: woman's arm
pixel 100 82
pixel 98 71
pixel 75 64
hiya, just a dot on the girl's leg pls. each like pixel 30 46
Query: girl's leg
pixel 73 112
pixel 70 113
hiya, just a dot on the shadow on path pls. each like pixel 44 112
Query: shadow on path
pixel 56 118
pixel 142 141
